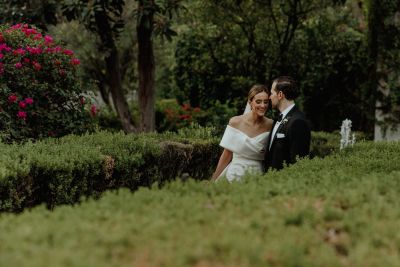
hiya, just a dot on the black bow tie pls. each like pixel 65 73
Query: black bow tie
pixel 280 117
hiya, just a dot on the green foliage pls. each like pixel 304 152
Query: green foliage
pixel 62 171
pixel 320 43
pixel 170 116
pixel 341 210
pixel 39 89
pixel 37 12
pixel 333 75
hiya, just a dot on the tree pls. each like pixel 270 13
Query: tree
pixel 37 12
pixel 152 17
pixel 233 44
pixel 104 18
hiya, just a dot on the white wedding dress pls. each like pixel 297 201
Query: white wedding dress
pixel 248 153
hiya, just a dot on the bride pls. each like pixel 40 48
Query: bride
pixel 245 138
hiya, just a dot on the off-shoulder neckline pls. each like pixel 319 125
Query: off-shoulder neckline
pixel 247 134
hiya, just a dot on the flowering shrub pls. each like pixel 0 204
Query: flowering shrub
pixel 171 116
pixel 40 95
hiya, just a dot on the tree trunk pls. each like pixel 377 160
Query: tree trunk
pixel 120 104
pixel 114 73
pixel 146 68
pixel 372 88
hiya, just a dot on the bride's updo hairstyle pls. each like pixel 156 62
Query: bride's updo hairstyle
pixel 256 89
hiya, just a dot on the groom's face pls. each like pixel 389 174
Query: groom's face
pixel 275 96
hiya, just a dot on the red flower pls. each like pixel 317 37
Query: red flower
pixel 2 38
pixel 186 107
pixel 29 101
pixel 1 56
pixel 37 36
pixel 12 98
pixel 68 52
pixel 22 104
pixel 36 65
pixel 26 60
pixel 21 115
pixel 75 61
pixel 48 39
pixel 18 65
pixel 185 117
pixel 94 110
pixel 19 51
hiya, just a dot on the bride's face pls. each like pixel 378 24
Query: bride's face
pixel 259 103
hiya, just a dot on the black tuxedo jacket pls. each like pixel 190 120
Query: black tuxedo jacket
pixel 291 139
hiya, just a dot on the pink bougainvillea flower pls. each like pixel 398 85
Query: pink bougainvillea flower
pixel 75 61
pixel 1 56
pixel 26 60
pixel 36 65
pixel 37 36
pixel 34 50
pixel 16 26
pixel 12 98
pixel 49 50
pixel 29 101
pixel 48 39
pixel 68 52
pixel 58 49
pixel 22 104
pixel 18 65
pixel 19 51
pixel 2 38
pixel 5 48
pixel 21 115
pixel 29 32
pixel 94 110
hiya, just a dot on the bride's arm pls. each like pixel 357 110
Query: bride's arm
pixel 224 160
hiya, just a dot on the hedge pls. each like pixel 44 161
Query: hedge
pixel 342 210
pixel 62 171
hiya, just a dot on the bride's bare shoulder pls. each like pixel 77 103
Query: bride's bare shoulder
pixel 268 123
pixel 235 121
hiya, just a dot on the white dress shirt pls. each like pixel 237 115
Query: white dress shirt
pixel 278 123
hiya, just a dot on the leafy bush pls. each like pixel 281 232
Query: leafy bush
pixel 39 92
pixel 171 116
pixel 342 210
pixel 61 171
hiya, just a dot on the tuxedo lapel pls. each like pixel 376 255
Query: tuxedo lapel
pixel 272 138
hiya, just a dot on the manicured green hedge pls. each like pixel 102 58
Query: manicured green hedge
pixel 62 171
pixel 342 210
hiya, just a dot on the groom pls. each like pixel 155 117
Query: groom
pixel 290 136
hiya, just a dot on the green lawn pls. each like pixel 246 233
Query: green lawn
pixel 343 210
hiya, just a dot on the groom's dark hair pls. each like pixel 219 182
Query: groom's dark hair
pixel 288 86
